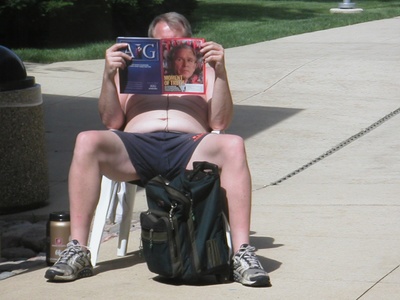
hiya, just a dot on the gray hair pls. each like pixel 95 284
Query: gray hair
pixel 174 20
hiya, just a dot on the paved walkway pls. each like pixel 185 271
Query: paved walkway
pixel 329 230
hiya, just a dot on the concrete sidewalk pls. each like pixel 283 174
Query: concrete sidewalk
pixel 330 230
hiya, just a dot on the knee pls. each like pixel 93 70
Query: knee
pixel 234 148
pixel 87 142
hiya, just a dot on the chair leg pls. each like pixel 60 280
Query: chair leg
pixel 108 191
pixel 125 225
pixel 228 235
pixel 114 197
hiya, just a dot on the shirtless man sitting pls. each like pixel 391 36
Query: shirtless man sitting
pixel 160 134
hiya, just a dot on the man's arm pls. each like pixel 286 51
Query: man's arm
pixel 218 91
pixel 111 102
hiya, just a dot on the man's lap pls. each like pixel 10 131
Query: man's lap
pixel 159 153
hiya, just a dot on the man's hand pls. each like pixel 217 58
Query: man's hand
pixel 115 59
pixel 214 55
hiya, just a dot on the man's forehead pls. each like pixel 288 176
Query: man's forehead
pixel 163 30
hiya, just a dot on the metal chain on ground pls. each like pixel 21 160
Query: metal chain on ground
pixel 336 148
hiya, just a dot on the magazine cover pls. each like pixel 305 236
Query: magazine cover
pixel 162 66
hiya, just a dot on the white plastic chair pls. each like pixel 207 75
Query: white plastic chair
pixel 115 206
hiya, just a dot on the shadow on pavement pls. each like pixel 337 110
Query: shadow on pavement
pixel 130 260
pixel 250 120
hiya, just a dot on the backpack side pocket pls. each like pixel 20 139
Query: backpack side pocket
pixel 159 243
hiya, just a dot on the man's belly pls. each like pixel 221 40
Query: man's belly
pixel 166 121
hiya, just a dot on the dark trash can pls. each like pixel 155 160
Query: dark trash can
pixel 23 165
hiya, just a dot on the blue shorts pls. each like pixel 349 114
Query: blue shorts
pixel 159 153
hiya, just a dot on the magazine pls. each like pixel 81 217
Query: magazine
pixel 163 66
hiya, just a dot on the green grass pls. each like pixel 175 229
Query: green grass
pixel 85 52
pixel 239 22
pixel 235 23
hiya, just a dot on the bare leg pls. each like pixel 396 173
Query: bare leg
pixel 228 152
pixel 96 153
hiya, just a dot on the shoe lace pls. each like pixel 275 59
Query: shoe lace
pixel 69 252
pixel 250 257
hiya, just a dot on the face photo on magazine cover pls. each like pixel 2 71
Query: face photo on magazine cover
pixel 183 67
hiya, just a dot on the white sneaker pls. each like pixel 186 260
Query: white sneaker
pixel 247 268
